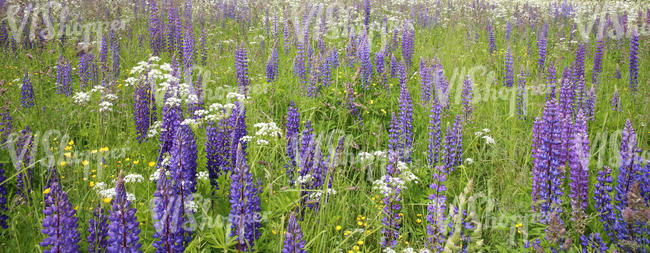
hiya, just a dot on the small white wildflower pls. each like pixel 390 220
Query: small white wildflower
pixel 200 113
pixel 366 157
pixel 133 178
pixel 99 186
pixel 486 130
pixel 97 88
pixel 154 129
pixel 166 67
pixel 262 142
pixel 105 106
pixel 130 81
pixel 109 96
pixel 81 98
pixel 236 96
pixel 488 139
pixel 267 129
pixel 304 179
pixel 425 250
pixel 477 134
pixel 202 175
pixel 191 205
pixel 246 138
pixel 389 250
pixel 173 101
pixel 154 58
pixel 130 196
pixel 379 154
pixel 189 122
pixel 408 250
pixel 469 161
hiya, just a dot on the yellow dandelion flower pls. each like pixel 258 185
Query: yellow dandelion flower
pixel 94 151
pixel 419 215
pixel 274 232
pixel 62 163
pixel 347 232
pixel 360 223
pixel 84 162
pixel 76 207
pixel 383 111
pixel 71 142
pixel 94 176
pixel 418 221
pixel 372 101
pixel 127 159
pixel 46 191
pixel 360 242
pixel 67 154
pixel 136 162
pixel 107 200
pixel 151 164
pixel 92 184
pixel 338 228
pixel 519 225
pixel 67 148
pixel 355 247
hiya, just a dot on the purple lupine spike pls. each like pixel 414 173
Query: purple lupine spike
pixel 115 52
pixel 366 8
pixel 292 136
pixel 603 200
pixel 24 159
pixel 579 163
pixel 395 39
pixel 467 99
pixel 168 216
pixel 391 200
pixel 98 230
pixel 103 52
pixel 325 72
pixel 492 43
pixel 426 81
pixel 244 204
pixel 616 103
pixel 634 61
pixel 380 66
pixel 6 124
pixel 299 68
pixel 408 37
pixel 593 244
pixel 522 95
pixel 204 47
pixel 566 131
pixel 3 198
pixel 579 64
pixel 171 28
pixel 141 113
pixel 293 242
pixel 217 149
pixel 547 174
pixel 179 36
pixel 60 223
pixel 241 65
pixel 123 231
pixel 628 144
pixel 453 146
pixel 155 29
pixel 508 79
pixel 172 118
pixel 434 132
pixel 27 92
pixel 406 117
pixel 333 58
pixel 541 49
pixel 188 36
pixel 598 61
pixel 508 28
pixel 566 98
pixel 394 66
pixel 366 62
pixel 551 79
pixel 436 226
pixel 63 74
pixel 286 37
pixel 238 130
pixel 272 66
pixel 183 160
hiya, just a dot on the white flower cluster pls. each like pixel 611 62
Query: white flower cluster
pixel 370 158
pixel 385 187
pixel 156 174
pixel 133 178
pixel 154 129
pixel 105 106
pixel 483 134
pixel 202 175
pixel 101 190
pixel 81 98
pixel 304 179
pixel 316 195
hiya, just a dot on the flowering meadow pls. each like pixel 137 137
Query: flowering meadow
pixel 324 126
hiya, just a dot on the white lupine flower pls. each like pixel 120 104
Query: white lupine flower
pixel 202 175
pixel 105 106
pixel 133 178
pixel 81 98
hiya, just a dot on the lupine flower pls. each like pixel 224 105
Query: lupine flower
pixel 299 68
pixel 172 118
pixel 141 113
pixel 426 81
pixel 333 58
pixel 183 155
pixel 244 204
pixel 366 8
pixel 366 62
pixel 634 60
pixel 405 117
pixel 551 79
pixel 123 231
pixel 603 200
pixel 115 51
pixel 598 61
pixel 522 95
pixel 98 230
pixel 155 29
pixel 616 103
pixel 617 74
pixel 436 226
pixel 493 45
pixel 408 37
pixel 453 146
pixel 579 163
pixel 171 29
pixel 217 149
pixel 293 242
pixel 238 131
pixel 293 126
pixel 579 67
pixel 394 66
pixel 508 28
pixel 241 65
pixel 593 244
pixel 567 98
pixel 204 47
pixel 27 92
pixel 547 174
pixel 434 132
pixel 380 66
pixel 272 66
pixel 6 125
pixel 25 160
pixel 508 79
pixel 3 198
pixel 168 217
pixel 467 99
pixel 60 223
pixel 541 49
pixel 103 52
pixel 392 199
pixel 63 72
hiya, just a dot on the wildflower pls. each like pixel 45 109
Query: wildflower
pixel 123 231
pixel 245 203
pixel 293 242
pixel 60 224
pixel 98 230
